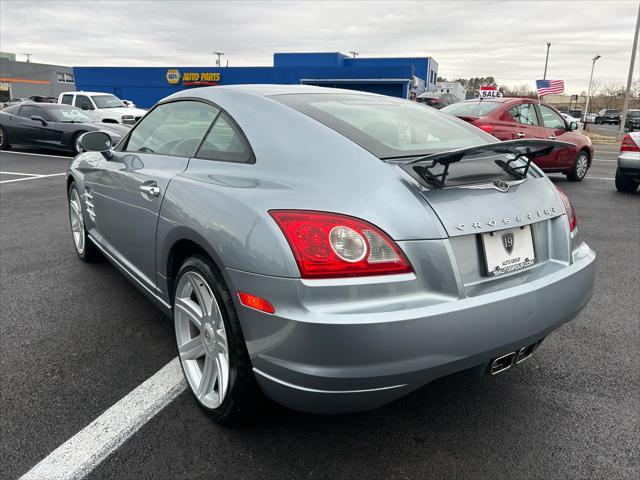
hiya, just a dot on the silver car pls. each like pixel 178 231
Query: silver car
pixel 332 249
pixel 628 171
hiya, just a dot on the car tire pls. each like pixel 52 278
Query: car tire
pixel 4 141
pixel 211 345
pixel 579 168
pixel 76 143
pixel 625 184
pixel 85 248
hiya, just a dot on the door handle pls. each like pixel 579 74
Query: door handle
pixel 551 137
pixel 151 190
pixel 520 134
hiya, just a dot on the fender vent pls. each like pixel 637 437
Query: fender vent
pixel 88 202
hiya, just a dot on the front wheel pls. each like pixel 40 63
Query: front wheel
pixel 625 184
pixel 86 250
pixel 210 343
pixel 579 168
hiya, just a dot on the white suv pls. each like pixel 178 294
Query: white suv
pixel 107 107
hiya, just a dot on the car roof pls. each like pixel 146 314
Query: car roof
pixel 86 93
pixel 267 90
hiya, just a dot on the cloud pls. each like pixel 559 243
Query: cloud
pixel 503 39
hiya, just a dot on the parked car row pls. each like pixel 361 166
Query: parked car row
pixel 107 107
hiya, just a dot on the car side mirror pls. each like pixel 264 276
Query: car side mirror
pixel 573 126
pixel 96 142
pixel 38 118
pixel 84 107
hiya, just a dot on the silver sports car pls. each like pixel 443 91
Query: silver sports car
pixel 333 249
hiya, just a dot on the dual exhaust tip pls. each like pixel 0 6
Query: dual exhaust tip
pixel 505 362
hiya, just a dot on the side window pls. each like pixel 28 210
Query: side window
pixel 224 142
pixel 67 99
pixel 175 128
pixel 551 119
pixel 524 113
pixel 83 102
pixel 28 111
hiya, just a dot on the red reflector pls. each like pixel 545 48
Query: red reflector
pixel 256 303
pixel 628 144
pixel 486 128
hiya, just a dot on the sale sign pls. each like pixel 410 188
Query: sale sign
pixel 489 91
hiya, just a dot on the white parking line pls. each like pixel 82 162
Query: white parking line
pixel 32 177
pixel 600 178
pixel 21 174
pixel 35 154
pixel 86 449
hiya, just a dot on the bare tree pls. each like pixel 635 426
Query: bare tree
pixel 611 94
pixel 523 90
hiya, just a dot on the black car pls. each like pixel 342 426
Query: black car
pixel 436 99
pixel 633 121
pixel 51 125
pixel 608 116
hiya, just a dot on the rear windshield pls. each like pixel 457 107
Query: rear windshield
pixel 471 109
pixel 385 126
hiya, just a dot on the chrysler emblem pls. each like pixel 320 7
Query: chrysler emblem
pixel 501 185
pixel 507 242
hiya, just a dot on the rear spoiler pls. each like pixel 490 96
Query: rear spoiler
pixel 519 149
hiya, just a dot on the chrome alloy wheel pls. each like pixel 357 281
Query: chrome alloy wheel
pixel 581 165
pixel 77 221
pixel 1 138
pixel 202 339
pixel 77 145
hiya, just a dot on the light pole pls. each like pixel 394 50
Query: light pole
pixel 623 120
pixel 353 53
pixel 546 61
pixel 219 54
pixel 593 64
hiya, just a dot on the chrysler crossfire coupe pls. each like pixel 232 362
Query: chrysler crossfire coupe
pixel 334 250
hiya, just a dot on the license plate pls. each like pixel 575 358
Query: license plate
pixel 508 250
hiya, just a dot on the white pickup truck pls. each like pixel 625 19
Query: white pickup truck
pixel 107 107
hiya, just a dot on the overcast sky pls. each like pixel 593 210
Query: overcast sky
pixel 472 38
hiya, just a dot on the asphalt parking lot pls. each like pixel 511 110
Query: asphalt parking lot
pixel 75 338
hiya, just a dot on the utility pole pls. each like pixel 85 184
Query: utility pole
pixel 219 54
pixel 593 64
pixel 546 61
pixel 28 55
pixel 623 120
pixel 353 53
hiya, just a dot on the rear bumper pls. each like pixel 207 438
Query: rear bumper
pixel 317 357
pixel 629 164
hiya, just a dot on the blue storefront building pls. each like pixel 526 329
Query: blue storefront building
pixel 399 77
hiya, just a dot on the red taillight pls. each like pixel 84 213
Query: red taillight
pixel 571 213
pixel 255 302
pixel 329 245
pixel 629 145
pixel 486 128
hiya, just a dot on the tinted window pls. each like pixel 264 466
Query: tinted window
pixel 385 126
pixel 471 109
pixel 551 119
pixel 29 111
pixel 524 113
pixel 224 142
pixel 67 99
pixel 82 101
pixel 175 128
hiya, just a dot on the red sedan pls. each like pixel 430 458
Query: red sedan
pixel 515 118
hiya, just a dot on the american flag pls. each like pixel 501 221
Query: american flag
pixel 545 87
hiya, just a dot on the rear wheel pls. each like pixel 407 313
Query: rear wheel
pixel 4 141
pixel 77 148
pixel 579 167
pixel 625 184
pixel 210 343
